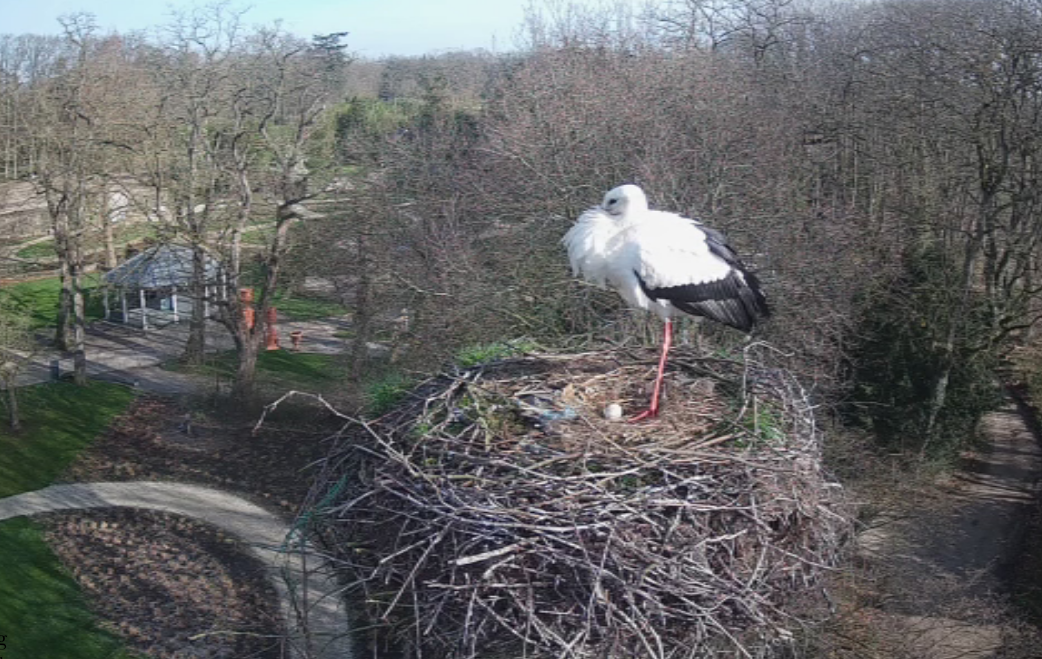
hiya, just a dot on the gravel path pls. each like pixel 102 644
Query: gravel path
pixel 309 596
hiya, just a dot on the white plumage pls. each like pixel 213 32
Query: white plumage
pixel 660 262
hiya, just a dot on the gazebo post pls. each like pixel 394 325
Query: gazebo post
pixel 206 301
pixel 173 303
pixel 144 309
pixel 105 303
pixel 123 300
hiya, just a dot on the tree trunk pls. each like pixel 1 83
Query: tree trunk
pixel 195 347
pixel 362 310
pixel 63 338
pixel 245 212
pixel 956 320
pixel 13 416
pixel 79 336
pixel 107 232
pixel 78 318
pixel 245 376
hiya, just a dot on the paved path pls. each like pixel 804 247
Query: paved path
pixel 130 355
pixel 309 595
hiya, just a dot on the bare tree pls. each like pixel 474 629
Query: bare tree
pixel 17 347
pixel 193 75
pixel 278 114
pixel 67 131
pixel 26 62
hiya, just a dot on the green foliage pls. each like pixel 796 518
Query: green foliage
pixel 385 392
pixel 362 125
pixel 42 611
pixel 765 422
pixel 487 352
pixel 59 420
pixel 900 354
pixel 38 299
pixel 375 118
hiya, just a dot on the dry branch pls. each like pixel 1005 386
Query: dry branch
pixel 499 514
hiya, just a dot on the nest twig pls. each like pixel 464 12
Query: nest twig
pixel 500 514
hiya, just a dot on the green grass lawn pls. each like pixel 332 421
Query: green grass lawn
pixel 38 299
pixel 122 236
pixel 302 367
pixel 258 235
pixel 59 420
pixel 282 367
pixel 42 612
pixel 307 308
pixel 40 250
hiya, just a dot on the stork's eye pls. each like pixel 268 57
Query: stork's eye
pixel 612 201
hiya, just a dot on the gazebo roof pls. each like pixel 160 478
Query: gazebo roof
pixel 161 266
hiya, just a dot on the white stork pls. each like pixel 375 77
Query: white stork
pixel 660 261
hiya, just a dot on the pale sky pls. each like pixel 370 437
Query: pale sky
pixel 377 27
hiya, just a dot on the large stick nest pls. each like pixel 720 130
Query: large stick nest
pixel 498 513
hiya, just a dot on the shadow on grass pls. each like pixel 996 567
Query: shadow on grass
pixel 295 369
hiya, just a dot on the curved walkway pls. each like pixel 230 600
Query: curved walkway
pixel 309 596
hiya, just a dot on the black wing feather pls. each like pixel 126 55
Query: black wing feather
pixel 736 300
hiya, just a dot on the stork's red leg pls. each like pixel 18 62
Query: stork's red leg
pixel 652 411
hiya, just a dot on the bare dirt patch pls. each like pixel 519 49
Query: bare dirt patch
pixel 169 586
pixel 163 439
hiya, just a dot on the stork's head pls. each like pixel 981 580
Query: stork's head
pixel 624 199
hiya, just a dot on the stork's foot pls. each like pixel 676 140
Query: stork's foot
pixel 650 413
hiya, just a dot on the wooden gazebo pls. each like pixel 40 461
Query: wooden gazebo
pixel 148 285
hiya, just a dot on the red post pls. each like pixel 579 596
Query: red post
pixel 248 314
pixel 273 336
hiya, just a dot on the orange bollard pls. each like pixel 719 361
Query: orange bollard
pixel 273 336
pixel 296 336
pixel 249 316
